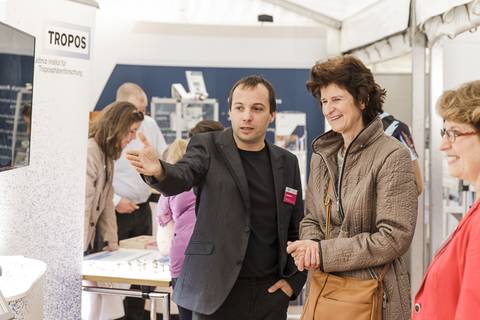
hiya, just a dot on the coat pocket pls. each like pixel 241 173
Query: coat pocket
pixel 202 248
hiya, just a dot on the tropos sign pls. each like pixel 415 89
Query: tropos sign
pixel 67 40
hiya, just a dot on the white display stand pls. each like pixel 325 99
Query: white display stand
pixel 291 134
pixel 21 284
pixel 458 197
pixel 175 117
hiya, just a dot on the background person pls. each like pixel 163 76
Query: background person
pixel 111 131
pixel 134 216
pixel 373 187
pixel 131 198
pixel 450 289
pixel 180 210
pixel 109 134
pixel 400 131
pixel 205 126
pixel 27 117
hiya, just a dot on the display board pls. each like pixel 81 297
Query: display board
pixel 175 118
pixel 16 79
pixel 291 134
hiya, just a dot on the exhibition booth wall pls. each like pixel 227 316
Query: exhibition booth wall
pixel 289 85
pixel 123 41
pixel 42 204
pixel 155 55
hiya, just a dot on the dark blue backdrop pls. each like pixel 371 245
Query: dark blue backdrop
pixel 289 86
pixel 15 71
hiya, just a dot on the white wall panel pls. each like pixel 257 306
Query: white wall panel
pixel 3 9
pixel 461 63
pixel 42 205
pixel 147 43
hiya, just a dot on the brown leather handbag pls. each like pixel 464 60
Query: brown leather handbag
pixel 331 297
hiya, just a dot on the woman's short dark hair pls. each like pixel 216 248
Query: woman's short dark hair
pixel 205 126
pixel 351 74
pixel 112 125
pixel 252 82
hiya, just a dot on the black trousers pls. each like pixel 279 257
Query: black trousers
pixel 250 300
pixel 137 223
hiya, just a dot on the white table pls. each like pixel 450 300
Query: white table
pixel 133 266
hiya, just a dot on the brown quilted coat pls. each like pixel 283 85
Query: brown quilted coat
pixel 378 196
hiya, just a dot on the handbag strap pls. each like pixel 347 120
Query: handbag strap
pixel 384 272
pixel 327 200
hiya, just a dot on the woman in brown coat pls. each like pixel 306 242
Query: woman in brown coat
pixel 374 190
pixel 111 131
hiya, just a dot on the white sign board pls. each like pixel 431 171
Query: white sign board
pixel 291 134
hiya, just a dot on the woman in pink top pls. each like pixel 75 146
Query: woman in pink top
pixel 451 287
pixel 181 210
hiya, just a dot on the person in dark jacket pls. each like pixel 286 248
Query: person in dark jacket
pixel 249 204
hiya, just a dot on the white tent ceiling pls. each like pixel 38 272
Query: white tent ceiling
pixel 236 12
pixel 374 29
pixel 337 9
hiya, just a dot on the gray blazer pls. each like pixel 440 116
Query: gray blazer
pixel 218 245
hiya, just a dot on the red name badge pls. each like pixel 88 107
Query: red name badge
pixel 290 196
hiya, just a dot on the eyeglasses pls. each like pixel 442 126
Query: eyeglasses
pixel 453 134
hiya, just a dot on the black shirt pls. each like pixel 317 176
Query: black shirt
pixel 261 258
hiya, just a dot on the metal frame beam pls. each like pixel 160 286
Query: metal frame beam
pixel 306 12
pixel 435 207
pixel 418 250
pixel 92 3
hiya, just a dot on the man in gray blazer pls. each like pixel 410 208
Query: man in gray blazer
pixel 249 204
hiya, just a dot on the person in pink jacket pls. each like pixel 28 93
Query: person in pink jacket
pixel 181 210
pixel 451 286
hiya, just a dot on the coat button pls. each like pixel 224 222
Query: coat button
pixel 418 307
pixel 92 224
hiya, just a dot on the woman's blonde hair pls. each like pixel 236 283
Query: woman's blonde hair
pixel 112 125
pixel 462 105
pixel 176 150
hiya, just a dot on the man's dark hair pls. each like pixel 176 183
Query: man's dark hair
pixel 252 82
pixel 352 75
pixel 205 126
